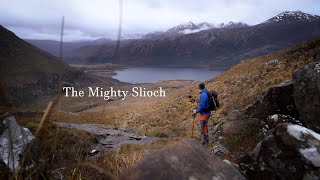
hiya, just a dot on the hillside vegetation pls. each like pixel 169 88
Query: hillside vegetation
pixel 28 73
pixel 238 88
pixel 168 118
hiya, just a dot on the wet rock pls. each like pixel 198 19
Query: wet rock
pixel 186 159
pixel 290 152
pixel 278 100
pixel 307 94
pixel 20 151
pixel 109 138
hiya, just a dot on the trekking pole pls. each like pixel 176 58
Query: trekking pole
pixel 193 118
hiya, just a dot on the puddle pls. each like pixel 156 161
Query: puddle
pixel 111 138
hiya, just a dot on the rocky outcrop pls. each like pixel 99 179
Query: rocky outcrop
pixel 186 159
pixel 20 151
pixel 278 100
pixel 307 94
pixel 273 120
pixel 290 152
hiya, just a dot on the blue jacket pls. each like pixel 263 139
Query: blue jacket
pixel 204 103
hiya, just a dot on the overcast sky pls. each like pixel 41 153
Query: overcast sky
pixel 92 19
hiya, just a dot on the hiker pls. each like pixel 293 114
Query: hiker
pixel 204 111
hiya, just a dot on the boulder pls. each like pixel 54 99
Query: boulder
pixel 317 57
pixel 236 123
pixel 273 120
pixel 278 100
pixel 290 152
pixel 186 159
pixel 306 91
pixel 20 151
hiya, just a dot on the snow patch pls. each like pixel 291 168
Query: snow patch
pixel 312 155
pixel 297 132
pixel 275 117
pixel 317 67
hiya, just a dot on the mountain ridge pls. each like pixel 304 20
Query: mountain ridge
pixel 292 16
pixel 216 48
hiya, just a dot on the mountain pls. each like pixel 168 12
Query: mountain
pixel 216 48
pixel 190 27
pixel 28 73
pixel 53 47
pixel 293 17
pixel 205 25
pixel 232 24
pixel 240 87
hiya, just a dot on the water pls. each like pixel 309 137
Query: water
pixel 153 74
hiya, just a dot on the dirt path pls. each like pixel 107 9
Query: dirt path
pixel 110 138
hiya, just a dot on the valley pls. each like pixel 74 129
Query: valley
pixel 239 88
pixel 95 115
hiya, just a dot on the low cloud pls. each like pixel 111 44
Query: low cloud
pixel 41 19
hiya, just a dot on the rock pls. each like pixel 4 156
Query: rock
pixel 307 94
pixel 235 123
pixel 135 138
pixel 186 159
pixel 94 152
pixel 219 150
pixel 273 120
pixel 278 100
pixel 290 152
pixel 317 58
pixel 20 151
pixel 273 62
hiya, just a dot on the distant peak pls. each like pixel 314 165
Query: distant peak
pixel 292 16
pixel 232 24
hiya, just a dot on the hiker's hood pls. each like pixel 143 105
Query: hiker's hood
pixel 204 91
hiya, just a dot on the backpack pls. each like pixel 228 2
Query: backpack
pixel 213 100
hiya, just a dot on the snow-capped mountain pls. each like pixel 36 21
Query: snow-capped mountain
pixel 205 25
pixel 182 27
pixel 232 24
pixel 191 27
pixel 293 16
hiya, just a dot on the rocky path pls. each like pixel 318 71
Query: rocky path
pixel 110 138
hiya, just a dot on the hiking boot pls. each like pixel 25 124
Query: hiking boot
pixel 204 143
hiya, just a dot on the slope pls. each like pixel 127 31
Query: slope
pixel 28 72
pixel 238 88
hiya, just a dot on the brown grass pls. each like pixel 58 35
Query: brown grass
pixel 239 87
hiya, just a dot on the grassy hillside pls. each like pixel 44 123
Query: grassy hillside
pixel 239 87
pixel 170 117
pixel 28 73
pixel 21 62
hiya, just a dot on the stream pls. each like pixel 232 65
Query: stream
pixel 110 138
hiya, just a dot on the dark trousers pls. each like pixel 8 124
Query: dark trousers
pixel 204 130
